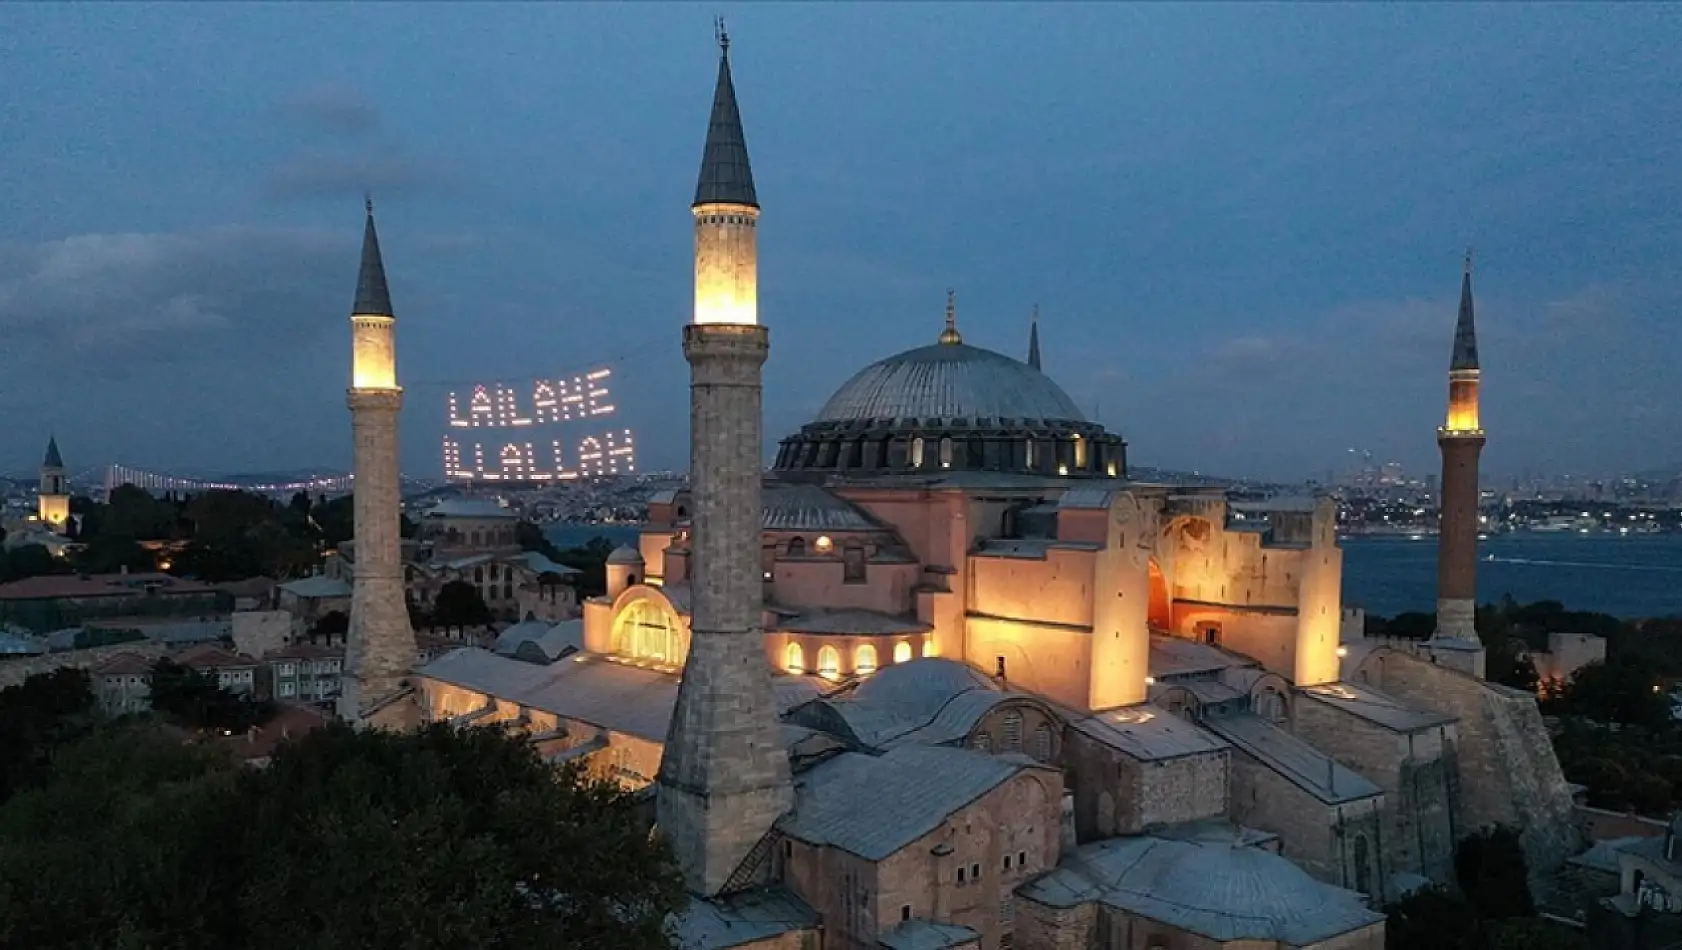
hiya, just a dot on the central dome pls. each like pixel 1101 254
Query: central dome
pixel 949 381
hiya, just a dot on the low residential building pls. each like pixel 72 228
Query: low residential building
pixel 305 673
pixel 57 601
pixel 257 746
pixel 122 684
pixel 234 672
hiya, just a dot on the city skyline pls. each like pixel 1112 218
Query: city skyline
pixel 1240 277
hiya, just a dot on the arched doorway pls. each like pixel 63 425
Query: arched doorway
pixel 1160 614
pixel 648 629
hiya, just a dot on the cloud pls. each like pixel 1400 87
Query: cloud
pixel 331 109
pixel 165 295
pixel 345 151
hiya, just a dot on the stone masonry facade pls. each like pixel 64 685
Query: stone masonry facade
pixel 380 645
pixel 724 780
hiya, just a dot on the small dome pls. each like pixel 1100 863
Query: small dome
pixel 949 381
pixel 624 554
pixel 1246 882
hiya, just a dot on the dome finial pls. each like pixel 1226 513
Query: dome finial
pixel 950 334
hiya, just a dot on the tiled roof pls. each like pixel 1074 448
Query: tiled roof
pixel 1148 733
pixel 617 696
pixel 49 586
pixel 290 721
pixel 123 664
pixel 304 650
pixel 1295 760
pixel 319 586
pixel 919 934
pixel 211 656
pixel 794 506
pixel 1214 890
pixel 1376 707
pixel 739 919
pixel 1177 656
pixel 872 806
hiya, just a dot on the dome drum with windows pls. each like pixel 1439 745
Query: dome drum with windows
pixel 952 407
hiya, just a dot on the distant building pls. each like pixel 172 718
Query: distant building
pixel 53 504
pixel 305 673
pixel 123 684
pixel 1566 654
pixel 55 601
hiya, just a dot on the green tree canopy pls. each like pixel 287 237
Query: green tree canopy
pixel 1491 871
pixel 1620 692
pixel 197 701
pixel 460 604
pixel 441 838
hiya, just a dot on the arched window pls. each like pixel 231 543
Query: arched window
pixel 1080 453
pixel 1028 454
pixel 982 742
pixel 864 659
pixel 478 575
pixel 945 452
pixel 829 662
pixel 647 630
pixel 1012 731
pixel 930 648
pixel 507 591
pixel 1042 743
pixel 902 652
pixel 797 547
pixel 794 658
pixel 823 545
pixel 917 452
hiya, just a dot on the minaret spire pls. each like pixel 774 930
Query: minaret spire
pixel 1034 339
pixel 726 177
pixel 950 335
pixel 373 298
pixel 1465 333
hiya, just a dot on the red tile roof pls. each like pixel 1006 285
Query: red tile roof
pixel 123 664
pixel 211 656
pixel 54 586
pixel 304 650
pixel 260 742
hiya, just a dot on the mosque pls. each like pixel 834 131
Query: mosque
pixel 946 677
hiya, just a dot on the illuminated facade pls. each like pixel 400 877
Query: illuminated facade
pixel 498 432
pixel 1461 440
pixel 52 504
pixel 380 645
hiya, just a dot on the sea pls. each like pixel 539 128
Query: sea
pixel 1630 576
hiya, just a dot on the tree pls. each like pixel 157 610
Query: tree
pixel 1490 869
pixel 460 605
pixel 1532 934
pixel 1430 918
pixel 333 623
pixel 110 553
pixel 1617 692
pixel 197 701
pixel 36 717
pixel 31 560
pixel 347 839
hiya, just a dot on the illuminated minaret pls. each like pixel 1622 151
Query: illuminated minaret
pixel 724 779
pixel 380 646
pixel 1461 440
pixel 52 503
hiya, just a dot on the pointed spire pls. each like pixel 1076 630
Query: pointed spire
pixel 950 334
pixel 725 175
pixel 1034 339
pixel 373 299
pixel 1465 334
pixel 53 460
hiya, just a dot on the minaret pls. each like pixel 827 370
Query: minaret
pixel 1034 340
pixel 380 646
pixel 724 779
pixel 52 503
pixel 1461 440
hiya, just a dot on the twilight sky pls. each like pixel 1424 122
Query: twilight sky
pixel 1243 224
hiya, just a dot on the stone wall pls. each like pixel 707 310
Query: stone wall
pixel 1508 773
pixel 257 632
pixel 1415 770
pixel 1042 927
pixel 1116 794
pixel 1319 838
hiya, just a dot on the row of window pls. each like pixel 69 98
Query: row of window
pixel 853 570
pixel 746 219
pixel 864 658
pixel 1062 455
